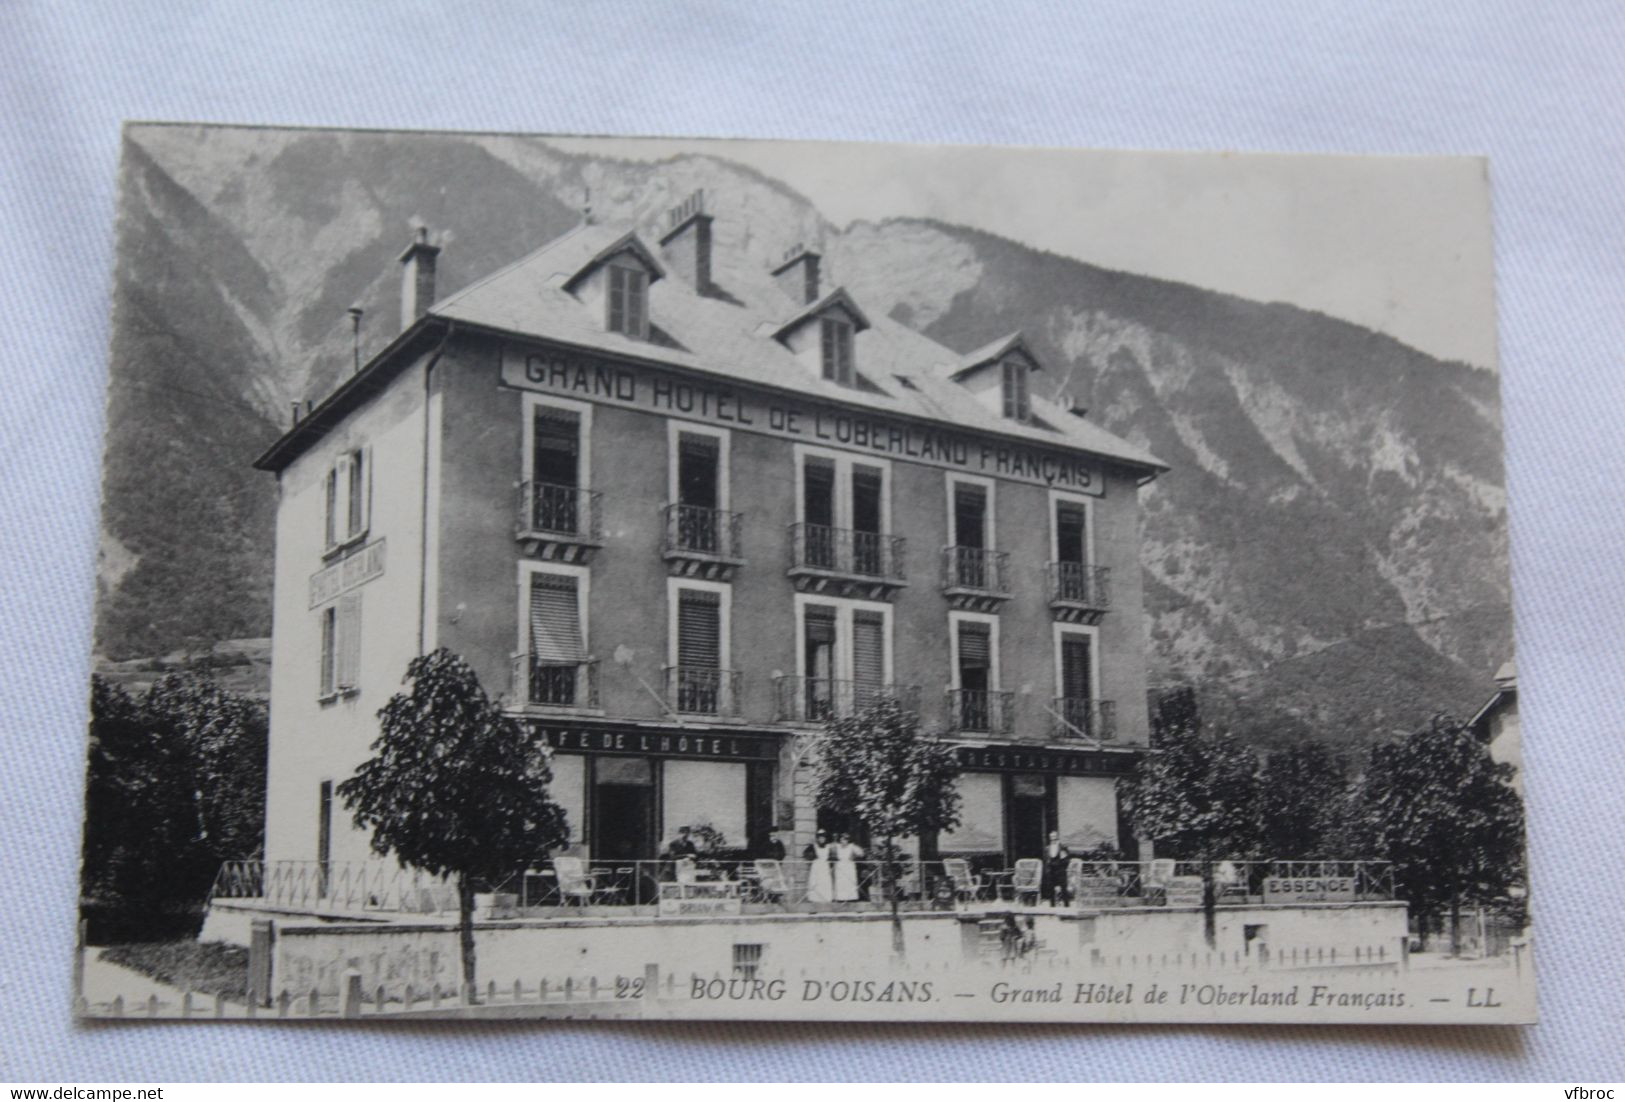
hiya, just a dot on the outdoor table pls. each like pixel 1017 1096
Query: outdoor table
pixel 1000 880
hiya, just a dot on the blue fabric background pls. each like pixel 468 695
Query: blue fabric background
pixel 1536 85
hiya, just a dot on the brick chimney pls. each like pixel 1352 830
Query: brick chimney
pixel 797 274
pixel 417 277
pixel 687 241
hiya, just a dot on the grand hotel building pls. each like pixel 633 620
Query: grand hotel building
pixel 675 509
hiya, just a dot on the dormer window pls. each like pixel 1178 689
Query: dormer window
pixel 837 338
pixel 1017 404
pixel 628 301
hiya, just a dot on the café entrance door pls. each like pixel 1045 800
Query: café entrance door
pixel 623 817
pixel 1029 814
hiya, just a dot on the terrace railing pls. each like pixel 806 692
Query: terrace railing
pixel 554 683
pixel 696 530
pixel 977 570
pixel 815 699
pixel 992 712
pixel 702 690
pixel 843 551
pixel 1080 584
pixel 552 512
pixel 1083 718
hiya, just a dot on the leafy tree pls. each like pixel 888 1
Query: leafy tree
pixel 1195 795
pixel 175 785
pixel 881 768
pixel 1443 811
pixel 1301 794
pixel 455 787
pixel 223 736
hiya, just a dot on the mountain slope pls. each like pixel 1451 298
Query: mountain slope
pixel 1329 549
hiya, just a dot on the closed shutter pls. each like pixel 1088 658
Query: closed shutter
pixel 328 675
pixel 617 300
pixel 331 530
pixel 975 647
pixel 699 629
pixel 869 647
pixel 357 519
pixel 635 301
pixel 349 641
pixel 1075 669
pixel 341 499
pixel 555 619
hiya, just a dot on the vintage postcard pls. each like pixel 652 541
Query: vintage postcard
pixel 611 578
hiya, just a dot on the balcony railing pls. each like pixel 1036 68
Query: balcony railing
pixel 551 683
pixel 703 691
pixel 842 551
pixel 976 570
pixel 815 699
pixel 696 530
pixel 552 512
pixel 991 712
pixel 1080 587
pixel 1081 718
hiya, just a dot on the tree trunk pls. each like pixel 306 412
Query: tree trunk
pixel 1210 921
pixel 893 888
pixel 1455 925
pixel 465 933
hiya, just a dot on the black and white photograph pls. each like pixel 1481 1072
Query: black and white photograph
pixel 590 577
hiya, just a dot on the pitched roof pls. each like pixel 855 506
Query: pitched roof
pixel 730 339
pixel 837 297
pixel 597 244
pixel 994 350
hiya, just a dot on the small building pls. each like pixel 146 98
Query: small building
pixel 1497 723
pixel 677 509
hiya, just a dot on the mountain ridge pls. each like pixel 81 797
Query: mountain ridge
pixel 1333 489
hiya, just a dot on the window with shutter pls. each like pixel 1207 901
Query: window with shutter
pixel 975 647
pixel 699 629
pixel 349 641
pixel 837 351
pixel 358 481
pixel 555 619
pixel 328 674
pixel 1070 532
pixel 1017 405
pixel 1075 669
pixel 868 653
pixel 331 530
pixel 628 300
pixel 558 446
pixel 698 464
pixel 818 626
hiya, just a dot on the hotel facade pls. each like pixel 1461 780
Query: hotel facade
pixel 676 509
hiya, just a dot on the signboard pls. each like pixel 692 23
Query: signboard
pixel 698 900
pixel 578 376
pixel 1010 759
pixel 1308 889
pixel 704 745
pixel 358 567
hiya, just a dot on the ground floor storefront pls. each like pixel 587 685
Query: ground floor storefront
pixel 628 792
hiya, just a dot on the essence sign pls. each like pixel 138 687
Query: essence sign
pixel 1309 889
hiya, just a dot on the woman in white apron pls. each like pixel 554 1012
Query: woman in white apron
pixel 847 854
pixel 820 881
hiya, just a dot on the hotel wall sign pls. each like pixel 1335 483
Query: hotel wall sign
pixel 358 567
pixel 672 395
pixel 702 745
pixel 1008 759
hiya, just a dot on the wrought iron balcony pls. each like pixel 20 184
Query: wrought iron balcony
pixel 1077 717
pixel 991 712
pixel 701 542
pixel 1079 593
pixel 975 577
pixel 702 691
pixel 559 522
pixel 815 699
pixel 846 562
pixel 551 683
